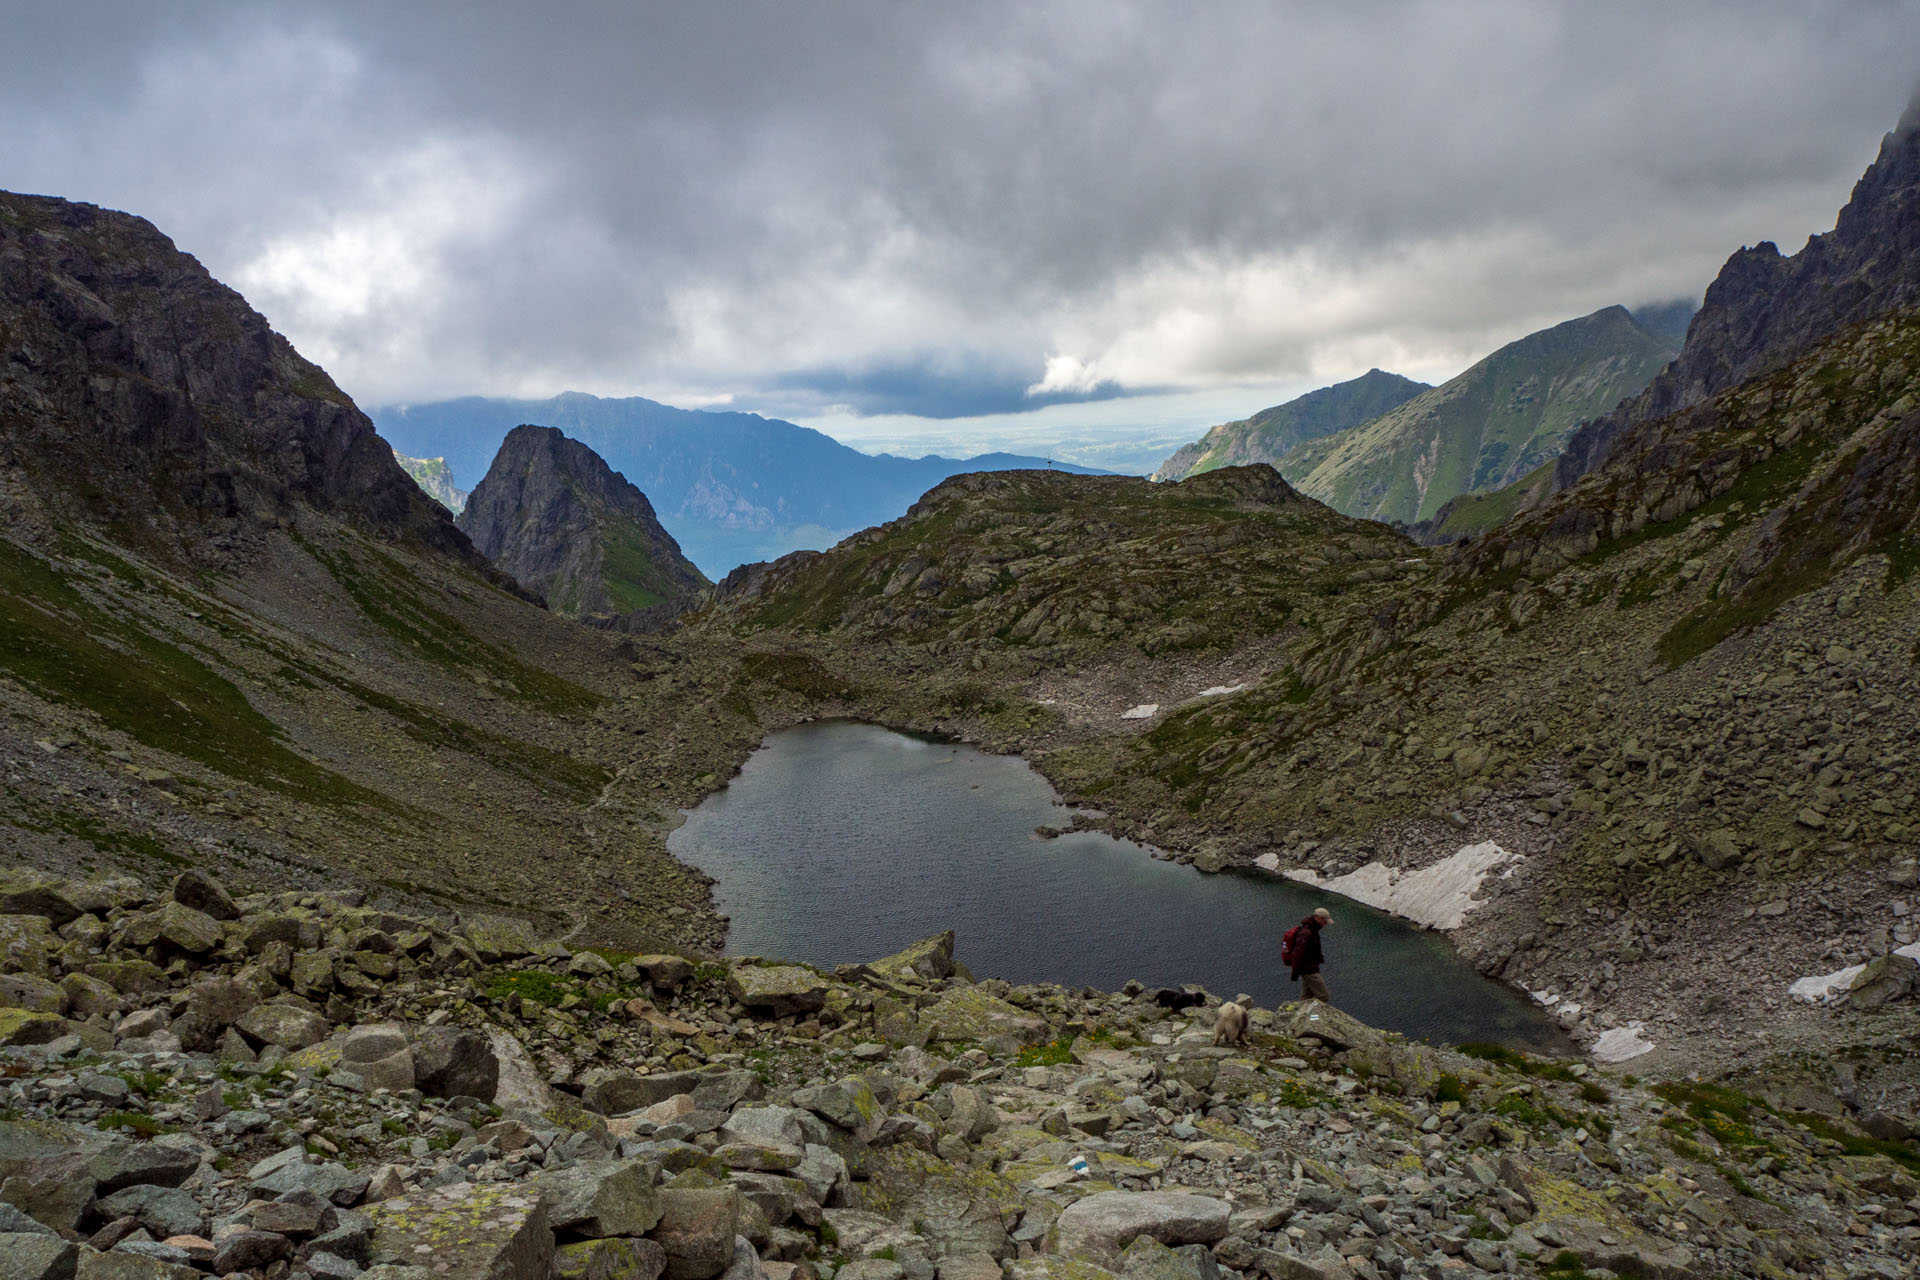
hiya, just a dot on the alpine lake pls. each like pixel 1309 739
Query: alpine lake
pixel 842 842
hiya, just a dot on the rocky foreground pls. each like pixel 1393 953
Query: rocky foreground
pixel 301 1085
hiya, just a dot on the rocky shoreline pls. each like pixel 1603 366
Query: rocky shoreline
pixel 299 1085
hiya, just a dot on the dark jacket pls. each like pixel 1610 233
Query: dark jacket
pixel 1311 957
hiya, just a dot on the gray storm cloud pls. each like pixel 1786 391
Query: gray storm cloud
pixel 945 206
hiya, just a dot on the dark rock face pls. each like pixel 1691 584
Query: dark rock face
pixel 139 392
pixel 1763 309
pixel 553 514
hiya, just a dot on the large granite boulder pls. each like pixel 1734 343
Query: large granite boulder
pixel 778 990
pixel 1103 1224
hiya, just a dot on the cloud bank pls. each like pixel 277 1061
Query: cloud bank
pixel 945 210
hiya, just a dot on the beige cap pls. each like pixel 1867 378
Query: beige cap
pixel 1323 915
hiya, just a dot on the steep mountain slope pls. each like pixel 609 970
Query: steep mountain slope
pixel 1485 428
pixel 233 632
pixel 435 479
pixel 552 514
pixel 1270 434
pixel 731 487
pixel 1764 309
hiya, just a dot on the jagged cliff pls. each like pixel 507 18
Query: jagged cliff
pixel 1765 309
pixel 138 392
pixel 553 514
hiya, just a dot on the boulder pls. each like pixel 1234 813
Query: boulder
pixel 36 995
pixel 380 1055
pixel 777 990
pixel 29 893
pixel 140 1164
pixel 452 1063
pixel 221 1001
pixel 1338 1031
pixel 664 972
pixel 614 1198
pixel 971 1013
pixel 609 1260
pixel 696 1229
pixel 175 926
pixel 26 1027
pixel 27 943
pixel 163 1211
pixel 286 1025
pixel 1103 1224
pixel 51 1199
pixel 1885 979
pixel 196 889
pixel 32 1256
pixel 498 938
pixel 1148 1259
pixel 466 1231
pixel 928 960
pixel 848 1103
pixel 125 1264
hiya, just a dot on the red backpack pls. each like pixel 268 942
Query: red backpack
pixel 1293 945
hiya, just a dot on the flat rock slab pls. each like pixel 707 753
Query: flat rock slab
pixel 778 990
pixel 973 1014
pixel 1102 1225
pixel 1311 1020
pixel 614 1198
pixel 467 1231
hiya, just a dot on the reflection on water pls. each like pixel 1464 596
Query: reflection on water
pixel 842 842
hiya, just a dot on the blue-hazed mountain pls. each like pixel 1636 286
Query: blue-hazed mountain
pixel 730 487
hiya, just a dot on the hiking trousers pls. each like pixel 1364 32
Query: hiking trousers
pixel 1314 987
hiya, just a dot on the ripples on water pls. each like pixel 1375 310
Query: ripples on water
pixel 842 842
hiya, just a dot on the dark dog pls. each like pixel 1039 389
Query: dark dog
pixel 1170 998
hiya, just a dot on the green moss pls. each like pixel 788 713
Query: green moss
pixel 134 1122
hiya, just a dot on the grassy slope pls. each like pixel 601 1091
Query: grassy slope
pixel 1269 435
pixel 1490 425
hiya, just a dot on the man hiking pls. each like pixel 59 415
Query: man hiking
pixel 1300 951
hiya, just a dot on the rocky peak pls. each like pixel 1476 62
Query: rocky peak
pixel 138 392
pixel 1764 310
pixel 552 513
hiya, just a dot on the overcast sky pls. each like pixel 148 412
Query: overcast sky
pixel 861 215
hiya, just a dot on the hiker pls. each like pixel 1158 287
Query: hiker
pixel 1300 950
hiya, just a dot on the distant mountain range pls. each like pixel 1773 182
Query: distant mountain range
pixel 730 487
pixel 1386 448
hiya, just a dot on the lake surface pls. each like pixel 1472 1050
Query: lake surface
pixel 843 842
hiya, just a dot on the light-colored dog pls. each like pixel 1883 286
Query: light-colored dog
pixel 1230 1024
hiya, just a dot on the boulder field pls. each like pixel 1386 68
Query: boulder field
pixel 304 1085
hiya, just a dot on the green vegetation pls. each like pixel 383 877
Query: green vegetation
pixel 394 599
pixel 60 644
pixel 134 1122
pixel 1052 1054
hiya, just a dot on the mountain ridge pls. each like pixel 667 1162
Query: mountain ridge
pixel 1486 427
pixel 1268 435
pixel 731 487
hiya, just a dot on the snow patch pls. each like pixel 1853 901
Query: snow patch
pixel 1268 862
pixel 1145 711
pixel 1621 1043
pixel 1221 690
pixel 1438 896
pixel 1826 988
